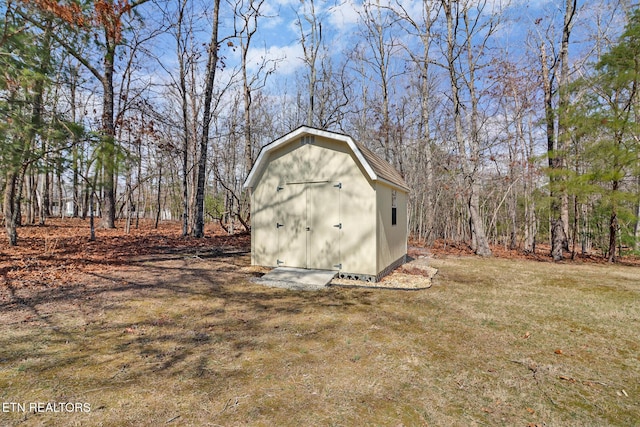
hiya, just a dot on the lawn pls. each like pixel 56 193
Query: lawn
pixel 184 338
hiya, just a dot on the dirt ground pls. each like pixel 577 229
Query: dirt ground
pixel 51 259
pixel 59 252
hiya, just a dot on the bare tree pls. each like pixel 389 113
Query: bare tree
pixel 556 68
pixel 246 15
pixel 182 53
pixel 380 46
pixel 310 30
pixel 423 196
pixel 466 38
pixel 210 76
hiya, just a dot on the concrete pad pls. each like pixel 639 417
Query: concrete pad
pixel 297 278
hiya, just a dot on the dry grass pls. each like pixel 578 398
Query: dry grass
pixel 188 340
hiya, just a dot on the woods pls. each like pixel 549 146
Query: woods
pixel 514 125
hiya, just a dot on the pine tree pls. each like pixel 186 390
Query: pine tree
pixel 607 116
pixel 25 58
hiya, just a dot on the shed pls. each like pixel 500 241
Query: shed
pixel 320 200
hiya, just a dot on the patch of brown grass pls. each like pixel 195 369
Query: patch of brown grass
pixel 184 338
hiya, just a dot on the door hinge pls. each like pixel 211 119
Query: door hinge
pixel 338 266
pixel 338 226
pixel 278 225
pixel 279 262
pixel 338 186
pixel 279 188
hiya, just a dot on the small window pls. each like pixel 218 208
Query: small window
pixel 394 208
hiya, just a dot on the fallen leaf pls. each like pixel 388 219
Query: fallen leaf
pixel 558 351
pixel 571 380
pixel 527 335
pixel 531 411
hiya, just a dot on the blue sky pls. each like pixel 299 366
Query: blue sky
pixel 278 37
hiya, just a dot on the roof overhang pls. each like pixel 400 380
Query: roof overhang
pixel 265 152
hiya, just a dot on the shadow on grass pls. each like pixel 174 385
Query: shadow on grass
pixel 166 314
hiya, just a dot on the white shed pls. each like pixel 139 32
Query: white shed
pixel 320 200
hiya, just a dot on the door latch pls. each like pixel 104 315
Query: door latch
pixel 339 226
pixel 308 228
pixel 278 225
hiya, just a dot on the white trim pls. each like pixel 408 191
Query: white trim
pixel 393 185
pixel 305 130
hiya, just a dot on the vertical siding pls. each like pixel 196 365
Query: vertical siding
pixel 324 160
pixel 264 235
pixel 392 239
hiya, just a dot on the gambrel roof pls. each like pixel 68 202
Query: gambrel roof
pixel 376 168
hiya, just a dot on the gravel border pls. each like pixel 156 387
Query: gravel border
pixel 414 275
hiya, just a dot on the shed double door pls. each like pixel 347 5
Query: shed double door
pixel 309 225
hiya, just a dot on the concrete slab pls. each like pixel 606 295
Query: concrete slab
pixel 297 278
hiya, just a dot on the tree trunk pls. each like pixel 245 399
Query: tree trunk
pixel 248 144
pixel 61 208
pixel 468 145
pixel 310 57
pixel 204 141
pixel 32 197
pixel 613 236
pixel 249 18
pixel 10 208
pixel 477 229
pixel 556 148
pixel 529 226
pixel 182 51
pixel 613 223
pixel 92 227
pixel 159 196
pixel 563 105
pixel 513 236
pixel 128 207
pixel 636 230
pixel 558 236
pixel 45 208
pixel 557 232
pixel 75 162
pixel 109 145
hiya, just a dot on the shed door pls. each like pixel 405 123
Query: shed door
pixel 309 234
pixel 292 234
pixel 323 221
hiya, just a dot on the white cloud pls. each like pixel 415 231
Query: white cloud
pixel 344 15
pixel 288 59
